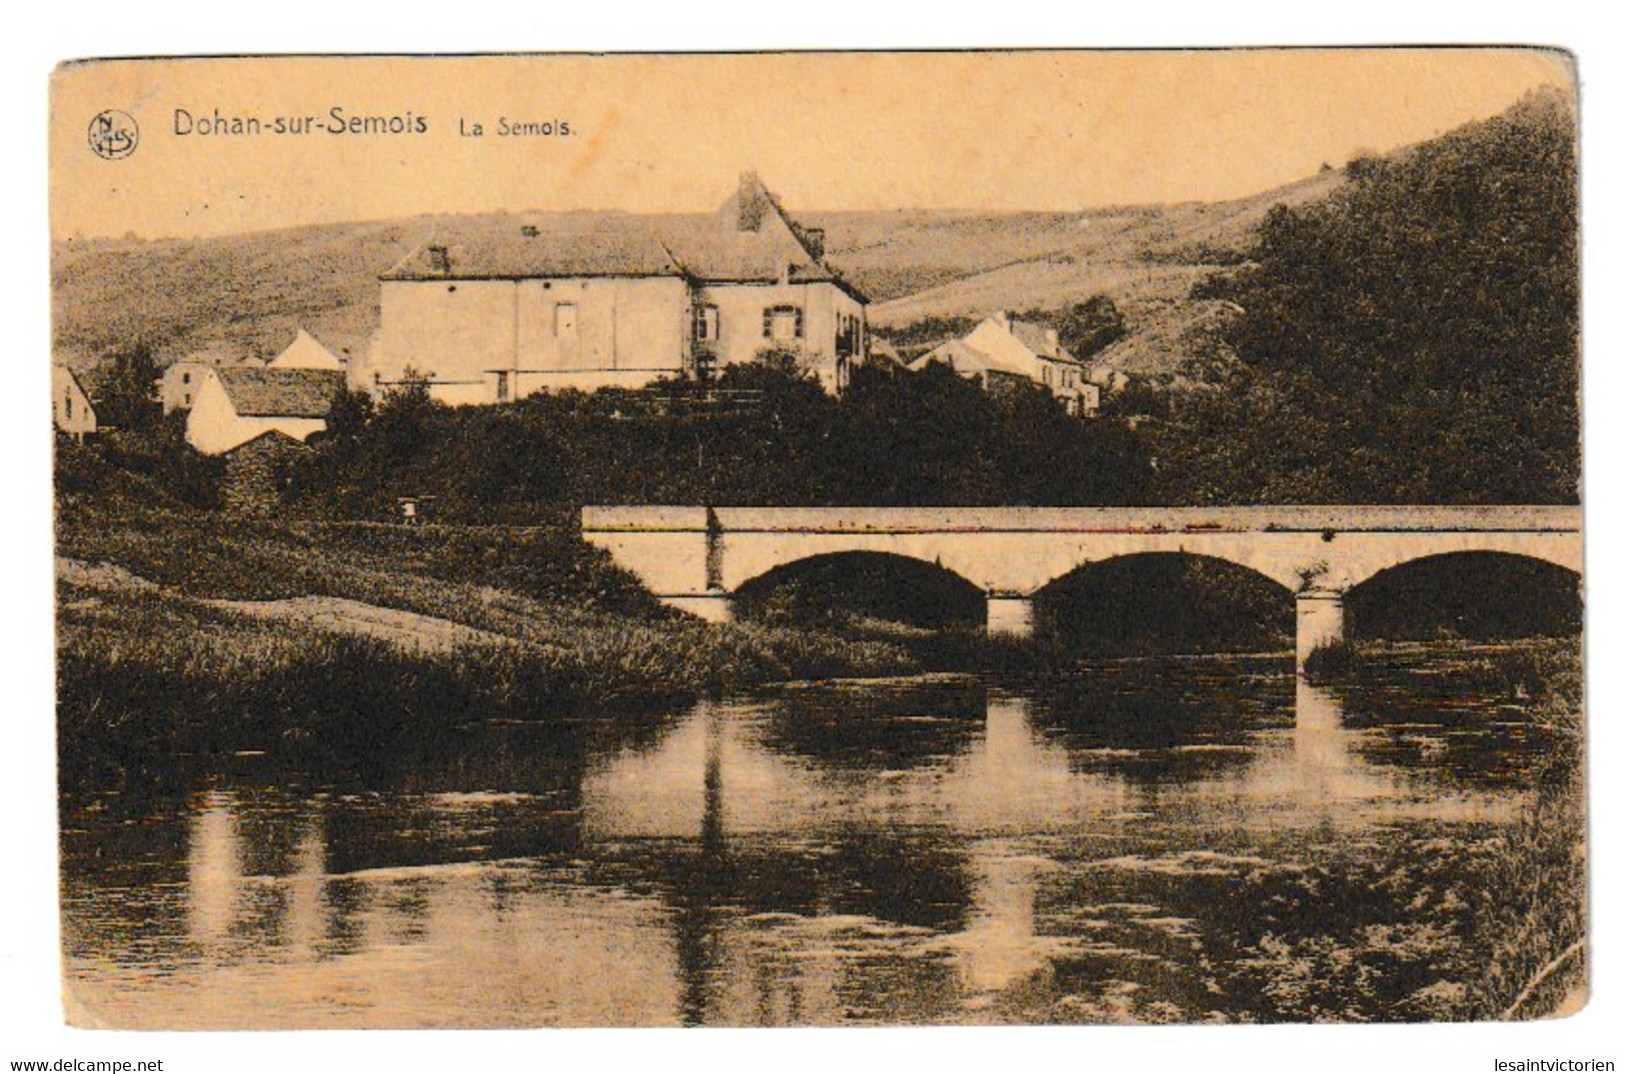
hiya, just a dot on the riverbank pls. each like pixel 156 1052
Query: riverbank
pixel 1530 911
pixel 183 634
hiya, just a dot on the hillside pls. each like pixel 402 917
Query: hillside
pixel 245 295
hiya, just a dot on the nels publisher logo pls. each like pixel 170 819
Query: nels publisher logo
pixel 113 134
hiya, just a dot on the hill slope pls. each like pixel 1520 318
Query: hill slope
pixel 246 295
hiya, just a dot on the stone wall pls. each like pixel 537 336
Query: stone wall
pixel 256 477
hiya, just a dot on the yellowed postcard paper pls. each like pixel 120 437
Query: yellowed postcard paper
pixel 827 538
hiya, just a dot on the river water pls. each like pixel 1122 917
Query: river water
pixel 1166 840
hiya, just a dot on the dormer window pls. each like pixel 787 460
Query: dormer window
pixel 783 324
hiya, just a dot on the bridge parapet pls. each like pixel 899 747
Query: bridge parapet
pixel 696 557
pixel 1266 519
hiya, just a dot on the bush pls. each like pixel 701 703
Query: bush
pixel 1332 661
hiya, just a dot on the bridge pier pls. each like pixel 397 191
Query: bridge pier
pixel 712 607
pixel 1320 621
pixel 1010 616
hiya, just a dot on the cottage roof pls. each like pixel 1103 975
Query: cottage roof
pixel 964 358
pixel 93 381
pixel 1036 338
pixel 270 439
pixel 280 393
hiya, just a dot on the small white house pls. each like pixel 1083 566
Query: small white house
pixel 1004 348
pixel 238 403
pixel 73 405
pixel 180 382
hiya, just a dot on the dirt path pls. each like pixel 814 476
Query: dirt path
pixel 405 630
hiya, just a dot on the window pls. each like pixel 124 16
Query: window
pixel 707 324
pixel 186 378
pixel 782 324
pixel 502 387
pixel 67 405
pixel 848 336
pixel 564 320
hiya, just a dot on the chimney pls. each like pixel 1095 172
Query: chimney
pixel 1053 338
pixel 440 260
pixel 752 202
pixel 815 242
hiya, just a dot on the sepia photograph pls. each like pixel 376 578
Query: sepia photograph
pixel 786 539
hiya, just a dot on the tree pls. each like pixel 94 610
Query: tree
pixel 1089 327
pixel 129 394
pixel 349 414
pixel 402 422
pixel 1411 338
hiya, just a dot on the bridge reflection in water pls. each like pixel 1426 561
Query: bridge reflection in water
pixel 713 876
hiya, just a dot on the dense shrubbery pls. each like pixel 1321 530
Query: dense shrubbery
pixel 1413 338
pixel 768 436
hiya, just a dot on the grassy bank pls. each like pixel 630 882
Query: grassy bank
pixel 149 672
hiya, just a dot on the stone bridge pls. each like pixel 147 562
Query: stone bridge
pixel 695 558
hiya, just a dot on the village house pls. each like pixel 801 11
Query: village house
pixel 292 395
pixel 74 396
pixel 180 383
pixel 238 403
pixel 1004 350
pixel 488 318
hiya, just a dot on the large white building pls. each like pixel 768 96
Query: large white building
pixel 489 317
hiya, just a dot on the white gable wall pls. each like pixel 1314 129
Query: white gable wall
pixel 306 353
pixel 70 408
pixel 214 426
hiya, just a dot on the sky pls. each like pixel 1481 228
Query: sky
pixel 988 131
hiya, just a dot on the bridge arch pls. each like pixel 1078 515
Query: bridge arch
pixel 884 585
pixel 1371 557
pixel 1175 601
pixel 1471 593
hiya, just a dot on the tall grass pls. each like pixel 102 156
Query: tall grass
pixel 1528 913
pixel 1535 923
pixel 146 677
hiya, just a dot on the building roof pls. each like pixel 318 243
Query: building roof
pixel 305 352
pixel 93 381
pixel 961 357
pixel 270 438
pixel 750 239
pixel 280 393
pixel 514 254
pixel 1037 338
